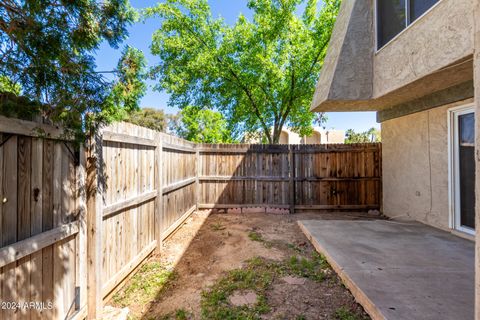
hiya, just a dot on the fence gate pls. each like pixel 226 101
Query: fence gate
pixel 337 176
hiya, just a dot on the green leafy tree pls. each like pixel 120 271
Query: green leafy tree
pixel 129 87
pixel 260 74
pixel 47 48
pixel 203 126
pixel 8 86
pixel 150 118
pixel 371 135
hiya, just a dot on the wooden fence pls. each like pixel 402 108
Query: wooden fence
pixel 42 229
pixel 143 184
pixel 297 178
pixel 75 223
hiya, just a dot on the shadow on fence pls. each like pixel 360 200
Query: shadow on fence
pixel 298 178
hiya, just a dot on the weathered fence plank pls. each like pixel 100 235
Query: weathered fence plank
pixel 94 187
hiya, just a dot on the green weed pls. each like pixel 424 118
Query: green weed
pixel 180 314
pixel 255 236
pixel 257 276
pixel 217 226
pixel 145 285
pixel 343 313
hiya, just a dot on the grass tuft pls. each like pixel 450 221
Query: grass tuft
pixel 257 276
pixel 180 314
pixel 217 226
pixel 343 313
pixel 145 285
pixel 313 268
pixel 255 236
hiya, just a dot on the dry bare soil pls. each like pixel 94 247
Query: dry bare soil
pixel 214 257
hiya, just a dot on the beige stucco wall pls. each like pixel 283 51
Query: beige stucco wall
pixel 333 136
pixel 415 167
pixel 441 37
pixel 431 54
pixel 320 136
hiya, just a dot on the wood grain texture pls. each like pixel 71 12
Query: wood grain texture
pixel 305 177
pixel 37 251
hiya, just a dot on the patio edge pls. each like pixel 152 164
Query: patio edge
pixel 358 294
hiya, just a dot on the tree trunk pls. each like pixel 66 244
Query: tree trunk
pixel 269 137
pixel 276 136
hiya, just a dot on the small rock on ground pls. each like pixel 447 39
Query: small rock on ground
pixel 241 299
pixel 111 313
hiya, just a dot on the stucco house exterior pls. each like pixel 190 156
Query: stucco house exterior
pixel 417 64
pixel 412 62
pixel 318 136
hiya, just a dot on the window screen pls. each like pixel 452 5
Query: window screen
pixel 392 16
pixel 391 19
pixel 419 7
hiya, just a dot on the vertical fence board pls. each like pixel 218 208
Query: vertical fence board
pixel 23 225
pixel 94 227
pixel 9 231
pixel 36 222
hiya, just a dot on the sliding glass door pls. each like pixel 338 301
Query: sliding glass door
pixel 464 169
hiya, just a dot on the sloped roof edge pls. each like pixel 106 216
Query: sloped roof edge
pixel 347 72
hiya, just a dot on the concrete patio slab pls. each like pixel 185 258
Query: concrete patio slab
pixel 399 270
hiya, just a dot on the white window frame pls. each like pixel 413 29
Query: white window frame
pixel 454 169
pixel 407 23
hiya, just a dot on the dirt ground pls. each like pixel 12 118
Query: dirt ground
pixel 208 246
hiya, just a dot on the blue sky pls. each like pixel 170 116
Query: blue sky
pixel 140 37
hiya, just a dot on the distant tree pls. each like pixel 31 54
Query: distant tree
pixel 203 126
pixel 320 118
pixel 129 87
pixel 47 48
pixel 173 123
pixel 260 74
pixel 150 118
pixel 371 135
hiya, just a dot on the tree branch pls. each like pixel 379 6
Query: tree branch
pixel 244 88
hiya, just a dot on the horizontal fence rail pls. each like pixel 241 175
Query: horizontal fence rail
pixel 74 224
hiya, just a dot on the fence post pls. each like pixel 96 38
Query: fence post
pixel 94 188
pixel 159 187
pixel 291 155
pixel 197 176
pixel 81 280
